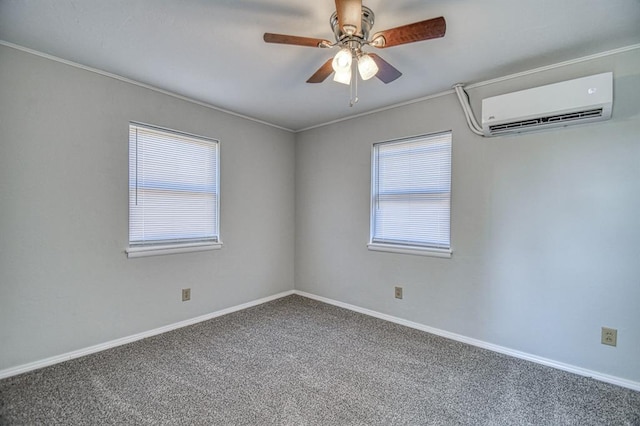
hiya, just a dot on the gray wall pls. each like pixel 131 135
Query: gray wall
pixel 545 226
pixel 65 282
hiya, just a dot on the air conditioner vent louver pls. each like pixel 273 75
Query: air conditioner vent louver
pixel 514 126
pixel 582 100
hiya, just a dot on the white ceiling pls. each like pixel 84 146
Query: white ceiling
pixel 212 50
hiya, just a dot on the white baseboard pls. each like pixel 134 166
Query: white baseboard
pixel 13 371
pixel 630 384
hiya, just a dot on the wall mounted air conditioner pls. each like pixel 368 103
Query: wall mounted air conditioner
pixel 578 101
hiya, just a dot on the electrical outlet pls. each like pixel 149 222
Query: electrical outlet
pixel 609 336
pixel 398 292
pixel 186 294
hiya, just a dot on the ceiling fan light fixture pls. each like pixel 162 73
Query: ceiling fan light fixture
pixel 367 67
pixel 342 61
pixel 343 77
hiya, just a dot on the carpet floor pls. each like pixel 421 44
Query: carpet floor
pixel 296 361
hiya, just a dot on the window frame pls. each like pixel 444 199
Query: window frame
pixel 406 248
pixel 135 249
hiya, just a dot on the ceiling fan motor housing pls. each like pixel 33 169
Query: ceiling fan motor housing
pixel 367 24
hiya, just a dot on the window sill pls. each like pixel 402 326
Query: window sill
pixel 419 251
pixel 158 250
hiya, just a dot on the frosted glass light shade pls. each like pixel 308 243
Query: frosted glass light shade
pixel 367 67
pixel 343 77
pixel 342 61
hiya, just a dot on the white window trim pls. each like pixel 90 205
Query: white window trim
pixel 146 250
pixel 398 248
pixel 161 249
pixel 420 251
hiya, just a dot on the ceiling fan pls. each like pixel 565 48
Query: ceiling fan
pixel 351 24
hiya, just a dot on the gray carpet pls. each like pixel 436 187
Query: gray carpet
pixel 296 361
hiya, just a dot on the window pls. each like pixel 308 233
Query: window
pixel 411 195
pixel 174 198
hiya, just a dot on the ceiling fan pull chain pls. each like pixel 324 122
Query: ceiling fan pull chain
pixel 354 81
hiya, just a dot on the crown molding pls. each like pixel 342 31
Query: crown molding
pixel 350 117
pixel 138 83
pixel 483 83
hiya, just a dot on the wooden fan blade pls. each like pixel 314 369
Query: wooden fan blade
pixel 323 72
pixel 295 40
pixel 350 15
pixel 386 72
pixel 418 31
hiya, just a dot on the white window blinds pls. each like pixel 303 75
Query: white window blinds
pixel 173 187
pixel 411 192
